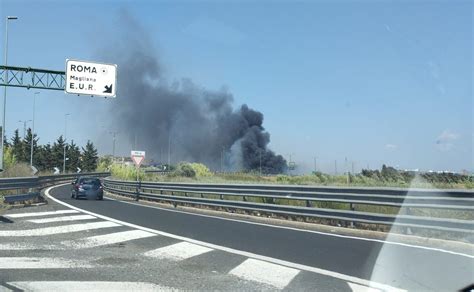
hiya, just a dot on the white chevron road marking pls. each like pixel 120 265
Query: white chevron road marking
pixel 110 238
pixel 264 272
pixel 89 286
pixel 59 229
pixel 39 263
pixel 62 219
pixel 36 214
pixel 178 251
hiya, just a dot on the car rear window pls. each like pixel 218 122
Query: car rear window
pixel 93 181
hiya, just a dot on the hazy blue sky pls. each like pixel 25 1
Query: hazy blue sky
pixel 374 81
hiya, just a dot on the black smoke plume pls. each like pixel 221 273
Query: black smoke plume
pixel 201 125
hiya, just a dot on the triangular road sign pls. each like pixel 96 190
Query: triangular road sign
pixel 138 160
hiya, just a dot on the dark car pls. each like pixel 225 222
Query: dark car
pixel 88 188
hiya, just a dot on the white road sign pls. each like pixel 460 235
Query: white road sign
pixel 138 153
pixel 91 78
pixel 138 157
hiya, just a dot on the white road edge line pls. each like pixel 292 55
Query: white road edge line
pixel 302 230
pixel 344 277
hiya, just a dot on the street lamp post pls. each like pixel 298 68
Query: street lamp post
pixel 24 126
pixel 222 158
pixel 5 88
pixel 113 145
pixel 169 148
pixel 33 129
pixel 65 142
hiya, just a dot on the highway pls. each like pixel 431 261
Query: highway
pixel 304 260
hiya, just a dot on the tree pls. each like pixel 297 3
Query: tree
pixel 43 157
pixel 389 173
pixel 73 154
pixel 57 152
pixel 9 159
pixel 17 145
pixel 27 144
pixel 89 157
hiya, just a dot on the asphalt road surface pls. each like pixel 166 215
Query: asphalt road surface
pixel 120 244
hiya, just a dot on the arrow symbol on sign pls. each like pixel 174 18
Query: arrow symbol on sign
pixel 78 170
pixel 56 170
pixel 108 89
pixel 34 169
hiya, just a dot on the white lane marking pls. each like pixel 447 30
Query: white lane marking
pixel 39 263
pixel 58 229
pixel 337 275
pixel 300 230
pixel 90 286
pixel 264 272
pixel 35 214
pixel 62 219
pixel 359 288
pixel 178 251
pixel 111 238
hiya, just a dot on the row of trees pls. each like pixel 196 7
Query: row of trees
pixel 390 174
pixel 47 157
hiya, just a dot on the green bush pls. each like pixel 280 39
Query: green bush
pixel 104 164
pixel 126 172
pixel 9 159
pixel 200 170
pixel 184 169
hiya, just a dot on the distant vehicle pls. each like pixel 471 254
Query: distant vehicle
pixel 88 188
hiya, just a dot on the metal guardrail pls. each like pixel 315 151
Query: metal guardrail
pixel 273 198
pixel 21 198
pixel 27 187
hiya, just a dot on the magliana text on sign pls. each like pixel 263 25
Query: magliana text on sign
pixel 91 78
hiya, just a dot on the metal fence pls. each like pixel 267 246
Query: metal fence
pixel 27 188
pixel 305 201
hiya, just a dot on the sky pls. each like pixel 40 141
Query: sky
pixel 367 82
